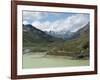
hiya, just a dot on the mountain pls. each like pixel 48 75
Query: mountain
pixel 77 46
pixel 68 35
pixel 64 35
pixel 80 32
pixel 40 41
pixel 33 35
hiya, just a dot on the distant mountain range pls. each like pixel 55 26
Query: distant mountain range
pixel 68 43
pixel 70 35
pixel 33 35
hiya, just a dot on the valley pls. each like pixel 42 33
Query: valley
pixel 44 50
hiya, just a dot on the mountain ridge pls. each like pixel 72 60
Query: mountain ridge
pixel 33 35
pixel 70 35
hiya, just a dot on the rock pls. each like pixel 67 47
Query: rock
pixel 26 50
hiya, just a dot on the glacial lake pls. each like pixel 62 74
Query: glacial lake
pixel 41 60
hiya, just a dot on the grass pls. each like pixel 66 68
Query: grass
pixel 30 62
pixel 68 48
pixel 57 49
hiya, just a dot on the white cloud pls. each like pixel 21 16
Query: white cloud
pixel 31 16
pixel 76 22
pixel 25 22
pixel 45 26
pixel 36 23
pixel 71 23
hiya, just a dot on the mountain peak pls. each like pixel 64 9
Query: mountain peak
pixel 66 34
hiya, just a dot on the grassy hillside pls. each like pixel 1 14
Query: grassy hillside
pixel 77 46
pixel 32 35
pixel 71 48
pixel 39 41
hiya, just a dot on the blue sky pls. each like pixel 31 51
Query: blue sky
pixel 56 21
pixel 55 16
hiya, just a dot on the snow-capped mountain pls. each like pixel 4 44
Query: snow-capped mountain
pixel 67 35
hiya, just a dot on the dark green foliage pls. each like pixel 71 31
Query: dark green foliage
pixel 86 45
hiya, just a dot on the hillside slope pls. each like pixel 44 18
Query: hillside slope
pixel 77 46
pixel 33 35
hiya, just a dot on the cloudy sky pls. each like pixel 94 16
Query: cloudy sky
pixel 51 21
